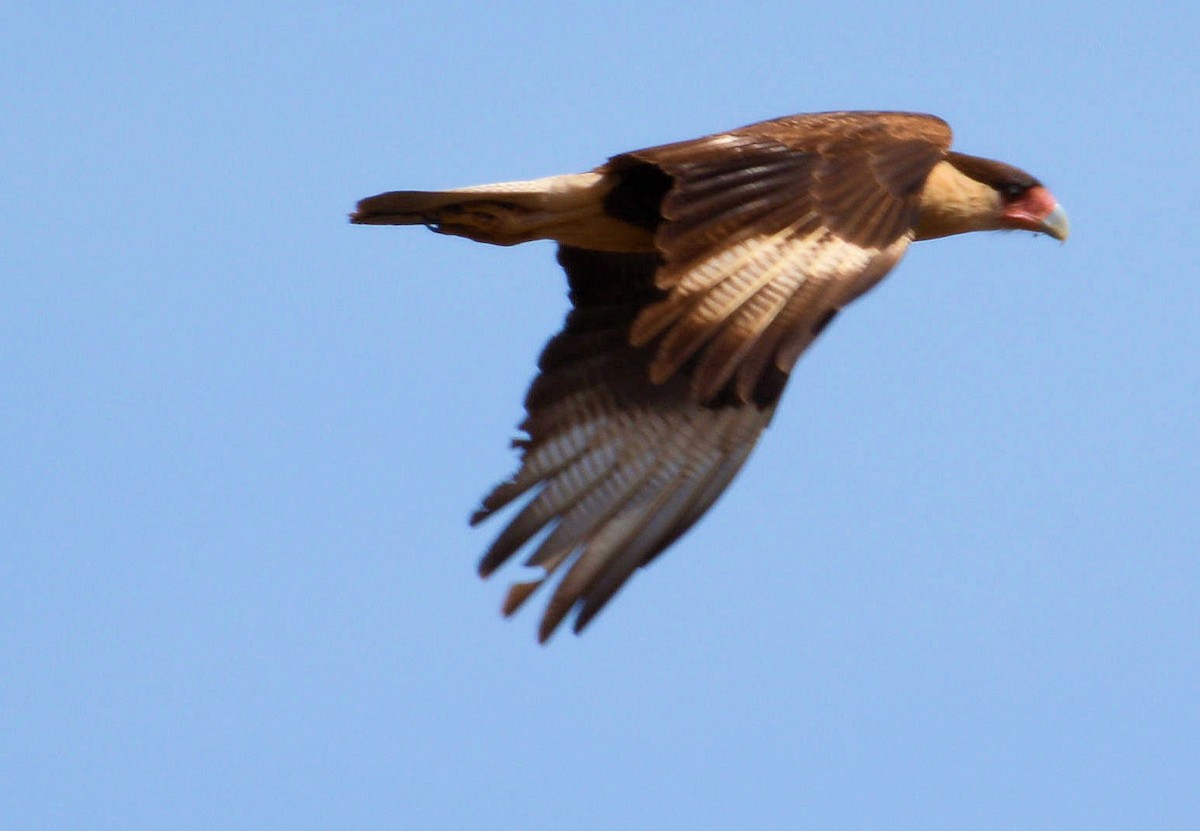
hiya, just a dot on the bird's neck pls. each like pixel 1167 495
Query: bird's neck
pixel 952 203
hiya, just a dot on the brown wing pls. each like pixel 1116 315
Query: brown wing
pixel 768 230
pixel 671 364
pixel 619 467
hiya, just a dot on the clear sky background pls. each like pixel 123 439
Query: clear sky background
pixel 957 586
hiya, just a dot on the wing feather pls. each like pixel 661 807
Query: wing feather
pixel 607 551
pixel 812 296
pixel 668 512
pixel 729 350
pixel 560 494
pixel 593 512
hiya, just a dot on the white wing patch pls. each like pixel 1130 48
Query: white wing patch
pixel 772 286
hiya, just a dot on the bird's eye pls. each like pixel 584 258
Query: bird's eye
pixel 1012 189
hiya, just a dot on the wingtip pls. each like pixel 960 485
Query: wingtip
pixel 518 593
pixel 556 611
pixel 583 619
pixel 544 633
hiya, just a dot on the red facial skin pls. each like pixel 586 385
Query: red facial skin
pixel 1029 210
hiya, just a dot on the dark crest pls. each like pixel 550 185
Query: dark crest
pixel 1008 180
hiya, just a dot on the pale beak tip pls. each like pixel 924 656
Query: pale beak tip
pixel 1056 224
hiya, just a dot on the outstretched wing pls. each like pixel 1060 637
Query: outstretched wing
pixel 619 467
pixel 671 364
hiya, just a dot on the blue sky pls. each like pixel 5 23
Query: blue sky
pixel 956 586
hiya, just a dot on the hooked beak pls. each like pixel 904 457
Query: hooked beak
pixel 1055 223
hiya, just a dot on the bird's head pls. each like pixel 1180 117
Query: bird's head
pixel 1022 202
pixel 968 193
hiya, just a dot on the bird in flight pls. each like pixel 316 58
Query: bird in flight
pixel 698 272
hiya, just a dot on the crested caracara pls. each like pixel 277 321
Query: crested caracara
pixel 698 273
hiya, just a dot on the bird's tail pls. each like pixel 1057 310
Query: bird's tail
pixel 568 208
